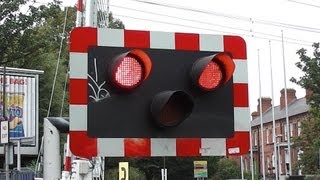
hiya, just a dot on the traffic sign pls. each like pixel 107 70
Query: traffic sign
pixel 200 169
pixel 123 171
pixel 4 132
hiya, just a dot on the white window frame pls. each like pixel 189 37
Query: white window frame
pixel 291 129
pixel 285 132
pixel 268 134
pixel 256 138
pixel 299 128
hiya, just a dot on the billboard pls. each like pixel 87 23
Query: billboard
pixel 19 101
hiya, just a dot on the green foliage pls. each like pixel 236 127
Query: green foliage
pixel 310 66
pixel 32 40
pixel 134 174
pixel 32 164
pixel 309 140
pixel 309 143
pixel 115 23
pixel 177 167
pixel 228 169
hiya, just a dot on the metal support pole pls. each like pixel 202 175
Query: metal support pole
pixel 286 104
pixel 91 13
pixel 108 11
pixel 261 121
pixel 273 119
pixel 251 155
pixel 79 20
pixel 4 113
pixel 278 152
pixel 51 151
pixel 164 172
pixel 241 165
pixel 18 155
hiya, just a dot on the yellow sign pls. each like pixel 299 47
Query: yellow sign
pixel 200 169
pixel 123 171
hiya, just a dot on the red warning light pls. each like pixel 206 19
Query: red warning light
pixel 210 72
pixel 130 69
pixel 211 76
pixel 129 73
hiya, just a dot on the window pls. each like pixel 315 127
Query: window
pixel 280 163
pixel 299 128
pixel 285 133
pixel 292 127
pixel 268 136
pixel 273 160
pixel 255 138
pixel 286 155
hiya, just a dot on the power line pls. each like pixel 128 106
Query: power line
pixel 176 24
pixel 242 18
pixel 101 13
pixel 207 29
pixel 307 4
pixel 208 23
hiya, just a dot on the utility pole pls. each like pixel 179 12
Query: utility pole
pixel 91 13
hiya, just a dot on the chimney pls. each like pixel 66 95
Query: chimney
pixel 254 115
pixel 266 104
pixel 291 94
pixel 308 93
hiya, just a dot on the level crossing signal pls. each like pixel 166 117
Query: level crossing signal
pixel 128 84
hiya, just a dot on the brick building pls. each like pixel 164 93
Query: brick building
pixel 297 112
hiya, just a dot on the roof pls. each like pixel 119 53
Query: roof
pixel 298 106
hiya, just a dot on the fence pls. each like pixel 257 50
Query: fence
pixel 23 174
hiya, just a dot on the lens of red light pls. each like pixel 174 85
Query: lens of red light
pixel 211 76
pixel 128 73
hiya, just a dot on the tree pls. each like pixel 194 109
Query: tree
pixel 309 140
pixel 114 22
pixel 310 66
pixel 31 39
pixel 227 169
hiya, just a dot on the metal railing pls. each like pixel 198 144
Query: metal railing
pixel 23 174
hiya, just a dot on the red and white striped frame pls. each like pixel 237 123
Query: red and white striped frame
pixel 84 146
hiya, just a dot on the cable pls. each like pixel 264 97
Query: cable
pixel 101 12
pixel 58 61
pixel 64 92
pixel 242 18
pixel 307 4
pixel 208 23
pixel 207 29
pixel 175 24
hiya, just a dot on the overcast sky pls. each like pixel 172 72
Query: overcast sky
pixel 257 21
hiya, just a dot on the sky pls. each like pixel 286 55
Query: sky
pixel 260 22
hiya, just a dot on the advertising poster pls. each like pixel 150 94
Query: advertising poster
pixel 19 105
